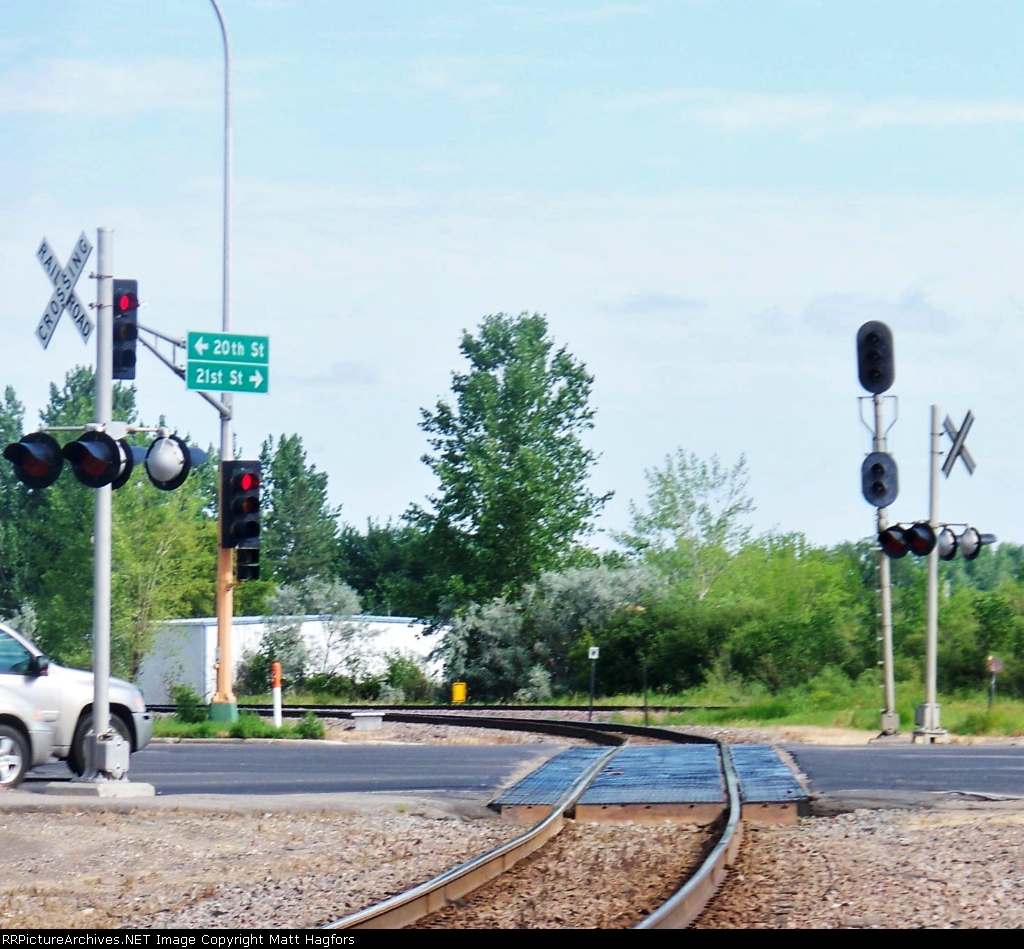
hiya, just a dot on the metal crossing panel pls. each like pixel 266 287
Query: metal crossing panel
pixel 675 774
pixel 551 780
pixel 763 776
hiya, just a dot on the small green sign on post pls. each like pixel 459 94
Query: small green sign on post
pixel 228 362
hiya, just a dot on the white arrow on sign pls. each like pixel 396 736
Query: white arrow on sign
pixel 64 296
pixel 201 345
pixel 256 378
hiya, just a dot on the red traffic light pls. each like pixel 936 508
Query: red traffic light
pixel 37 459
pixel 125 302
pixel 240 504
pixel 247 481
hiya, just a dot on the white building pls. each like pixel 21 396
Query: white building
pixel 185 650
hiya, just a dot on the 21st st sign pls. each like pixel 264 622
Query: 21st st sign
pixel 228 362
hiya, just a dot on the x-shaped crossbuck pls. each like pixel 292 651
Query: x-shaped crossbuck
pixel 959 449
pixel 64 296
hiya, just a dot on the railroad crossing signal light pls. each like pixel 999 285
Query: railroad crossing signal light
pixel 247 564
pixel 126 327
pixel 879 479
pixel 169 460
pixel 37 459
pixel 240 504
pixel 949 543
pixel 98 460
pixel 971 542
pixel 919 539
pixel 876 363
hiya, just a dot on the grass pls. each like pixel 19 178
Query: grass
pixel 249 725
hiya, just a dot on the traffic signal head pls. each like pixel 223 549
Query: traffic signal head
pixel 876 363
pixel 98 460
pixel 36 458
pixel 169 460
pixel 240 503
pixel 879 479
pixel 126 327
pixel 247 564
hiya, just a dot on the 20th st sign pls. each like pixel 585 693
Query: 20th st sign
pixel 64 296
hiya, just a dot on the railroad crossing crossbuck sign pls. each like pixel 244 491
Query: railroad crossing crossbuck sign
pixel 64 296
pixel 959 449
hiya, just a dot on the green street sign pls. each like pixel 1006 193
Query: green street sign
pixel 228 362
pixel 227 377
pixel 229 347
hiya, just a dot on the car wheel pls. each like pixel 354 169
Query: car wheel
pixel 13 757
pixel 76 760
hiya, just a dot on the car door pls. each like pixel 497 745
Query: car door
pixel 40 690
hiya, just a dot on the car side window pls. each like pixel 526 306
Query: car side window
pixel 14 658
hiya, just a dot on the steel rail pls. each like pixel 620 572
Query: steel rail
pixel 678 912
pixel 682 909
pixel 408 907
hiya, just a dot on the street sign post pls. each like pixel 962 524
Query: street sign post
pixel 64 296
pixel 228 362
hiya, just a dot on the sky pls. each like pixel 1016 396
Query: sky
pixel 706 198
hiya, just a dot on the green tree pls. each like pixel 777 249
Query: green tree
pixel 693 525
pixel 508 455
pixel 300 530
pixel 391 568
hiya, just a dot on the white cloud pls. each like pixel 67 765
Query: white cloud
pixel 85 87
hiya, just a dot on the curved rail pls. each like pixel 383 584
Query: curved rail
pixel 414 904
pixel 678 912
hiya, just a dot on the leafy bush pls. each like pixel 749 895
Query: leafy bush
pixel 405 675
pixel 190 708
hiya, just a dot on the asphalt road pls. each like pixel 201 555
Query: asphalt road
pixel 978 769
pixel 315 768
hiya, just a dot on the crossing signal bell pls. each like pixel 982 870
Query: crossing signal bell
pixel 240 504
pixel 126 327
pixel 36 458
pixel 876 363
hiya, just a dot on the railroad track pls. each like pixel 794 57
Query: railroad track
pixel 344 711
pixel 447 890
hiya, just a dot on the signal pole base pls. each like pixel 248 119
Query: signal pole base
pixel 223 711
pixel 890 724
pixel 930 736
pixel 927 730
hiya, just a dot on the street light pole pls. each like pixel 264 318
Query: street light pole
pixel 224 706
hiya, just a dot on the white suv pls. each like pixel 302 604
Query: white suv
pixel 64 696
pixel 25 739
